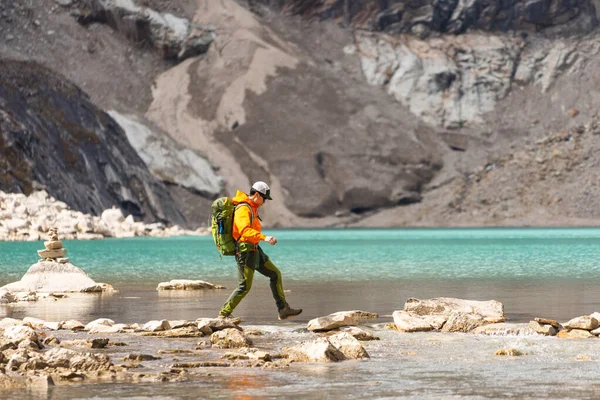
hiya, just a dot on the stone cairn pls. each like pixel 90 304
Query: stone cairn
pixel 54 250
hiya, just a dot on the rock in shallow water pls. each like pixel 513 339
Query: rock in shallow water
pixel 319 350
pixel 543 329
pixel 52 276
pixel 406 322
pixel 229 338
pixel 187 284
pixel 584 322
pixel 504 329
pixel 339 319
pixel 492 311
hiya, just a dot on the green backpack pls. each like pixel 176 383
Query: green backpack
pixel 222 224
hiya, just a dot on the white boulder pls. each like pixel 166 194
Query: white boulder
pixel 339 319
pixel 186 284
pixel 318 350
pixel 406 322
pixel 113 216
pixel 491 311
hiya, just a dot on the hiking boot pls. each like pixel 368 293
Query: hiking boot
pixel 287 312
pixel 229 318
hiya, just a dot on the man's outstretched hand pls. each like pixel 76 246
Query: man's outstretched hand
pixel 271 240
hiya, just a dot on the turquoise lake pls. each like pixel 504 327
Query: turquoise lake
pixel 553 273
pixel 550 273
pixel 340 255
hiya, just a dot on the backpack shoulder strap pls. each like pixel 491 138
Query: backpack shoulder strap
pixel 249 207
pixel 251 214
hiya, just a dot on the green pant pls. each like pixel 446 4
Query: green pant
pixel 247 263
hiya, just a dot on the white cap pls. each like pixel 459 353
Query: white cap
pixel 262 188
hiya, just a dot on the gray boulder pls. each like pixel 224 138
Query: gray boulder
pixel 65 358
pixel 585 322
pixel 339 319
pixel 348 345
pixel 318 350
pixel 463 322
pixel 210 325
pixel 543 329
pixel 229 338
pixel 405 322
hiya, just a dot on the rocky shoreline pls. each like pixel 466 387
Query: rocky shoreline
pixel 29 218
pixel 37 353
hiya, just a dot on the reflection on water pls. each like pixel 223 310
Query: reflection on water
pixel 75 306
pixel 522 300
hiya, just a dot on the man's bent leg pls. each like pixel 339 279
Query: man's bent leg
pixel 245 277
pixel 270 270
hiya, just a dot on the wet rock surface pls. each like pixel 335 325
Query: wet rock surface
pixel 70 355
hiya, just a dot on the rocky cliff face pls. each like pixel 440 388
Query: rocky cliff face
pixel 51 135
pixel 448 16
pixel 455 80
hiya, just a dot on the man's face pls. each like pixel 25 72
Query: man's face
pixel 260 200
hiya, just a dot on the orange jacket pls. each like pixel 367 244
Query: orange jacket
pixel 242 230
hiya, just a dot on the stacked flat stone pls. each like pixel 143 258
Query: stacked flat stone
pixel 54 250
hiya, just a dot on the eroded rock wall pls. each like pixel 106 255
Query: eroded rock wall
pixel 449 16
pixel 52 136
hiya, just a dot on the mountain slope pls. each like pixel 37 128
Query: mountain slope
pixel 262 107
pixel 366 113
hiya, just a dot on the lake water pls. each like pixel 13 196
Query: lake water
pixel 552 273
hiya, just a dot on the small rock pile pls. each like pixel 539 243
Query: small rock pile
pixel 54 273
pixel 54 250
pixel 585 326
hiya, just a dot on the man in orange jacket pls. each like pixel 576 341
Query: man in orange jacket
pixel 249 256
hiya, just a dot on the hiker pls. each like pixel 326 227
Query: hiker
pixel 249 256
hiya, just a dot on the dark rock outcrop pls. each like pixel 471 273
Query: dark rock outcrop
pixel 51 135
pixel 451 16
pixel 174 37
